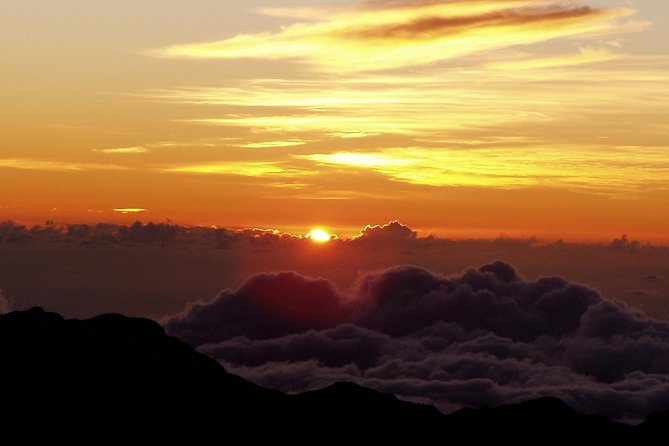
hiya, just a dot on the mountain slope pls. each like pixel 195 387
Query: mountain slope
pixel 116 368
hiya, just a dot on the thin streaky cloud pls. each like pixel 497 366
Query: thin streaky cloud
pixel 596 169
pixel 129 210
pixel 239 168
pixel 271 144
pixel 395 37
pixel 123 150
pixel 585 56
pixel 53 165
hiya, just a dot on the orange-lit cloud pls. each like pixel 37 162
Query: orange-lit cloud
pixel 585 56
pixel 594 168
pixel 412 34
pixel 242 168
pixel 54 165
pixel 123 150
pixel 129 210
pixel 271 144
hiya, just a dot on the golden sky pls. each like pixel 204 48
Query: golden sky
pixel 464 118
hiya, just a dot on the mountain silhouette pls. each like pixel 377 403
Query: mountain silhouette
pixel 112 367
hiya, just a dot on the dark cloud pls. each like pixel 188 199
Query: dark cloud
pixel 5 303
pixel 483 337
pixel 438 26
pixel 390 232
pixel 623 244
pixel 267 305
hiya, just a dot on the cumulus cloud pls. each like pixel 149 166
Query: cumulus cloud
pixel 266 305
pixel 390 232
pixel 483 337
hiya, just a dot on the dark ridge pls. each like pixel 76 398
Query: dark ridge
pixel 540 421
pixel 655 430
pixel 118 370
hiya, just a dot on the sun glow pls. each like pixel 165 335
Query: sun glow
pixel 319 236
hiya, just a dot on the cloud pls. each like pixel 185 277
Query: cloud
pixel 588 167
pixel 5 303
pixel 390 232
pixel 272 144
pixel 55 166
pixel 585 56
pixel 393 36
pixel 128 210
pixel 241 168
pixel 134 149
pixel 266 305
pixel 432 27
pixel 483 337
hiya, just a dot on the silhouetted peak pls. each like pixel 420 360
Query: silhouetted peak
pixel 116 323
pixel 543 404
pixel 347 393
pixel 121 368
pixel 346 387
pixel 33 321
pixel 32 314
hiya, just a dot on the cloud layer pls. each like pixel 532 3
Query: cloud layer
pixel 484 337
pixel 408 34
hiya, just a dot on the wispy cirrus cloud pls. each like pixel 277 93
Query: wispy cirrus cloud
pixel 517 78
pixel 54 165
pixel 585 56
pixel 129 210
pixel 240 168
pixel 593 168
pixel 272 144
pixel 123 150
pixel 412 34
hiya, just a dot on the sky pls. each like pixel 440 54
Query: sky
pixel 459 118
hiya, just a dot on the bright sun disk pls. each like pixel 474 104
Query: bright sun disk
pixel 318 235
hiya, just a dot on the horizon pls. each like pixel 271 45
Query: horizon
pixel 352 232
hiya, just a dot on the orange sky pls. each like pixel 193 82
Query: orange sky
pixel 465 118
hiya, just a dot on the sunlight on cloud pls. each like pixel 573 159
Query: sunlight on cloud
pixel 308 123
pixel 134 149
pixel 393 37
pixel 598 169
pixel 496 95
pixel 490 114
pixel 371 160
pixel 253 169
pixel 56 166
pixel 352 135
pixel 129 210
pixel 586 56
pixel 271 144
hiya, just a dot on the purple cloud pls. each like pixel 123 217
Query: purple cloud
pixel 484 337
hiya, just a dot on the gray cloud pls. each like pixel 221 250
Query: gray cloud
pixel 266 305
pixel 391 232
pixel 484 337
pixel 5 303
pixel 437 26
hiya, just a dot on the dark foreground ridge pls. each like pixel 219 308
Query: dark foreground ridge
pixel 116 369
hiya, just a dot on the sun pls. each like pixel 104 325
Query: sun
pixel 318 236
